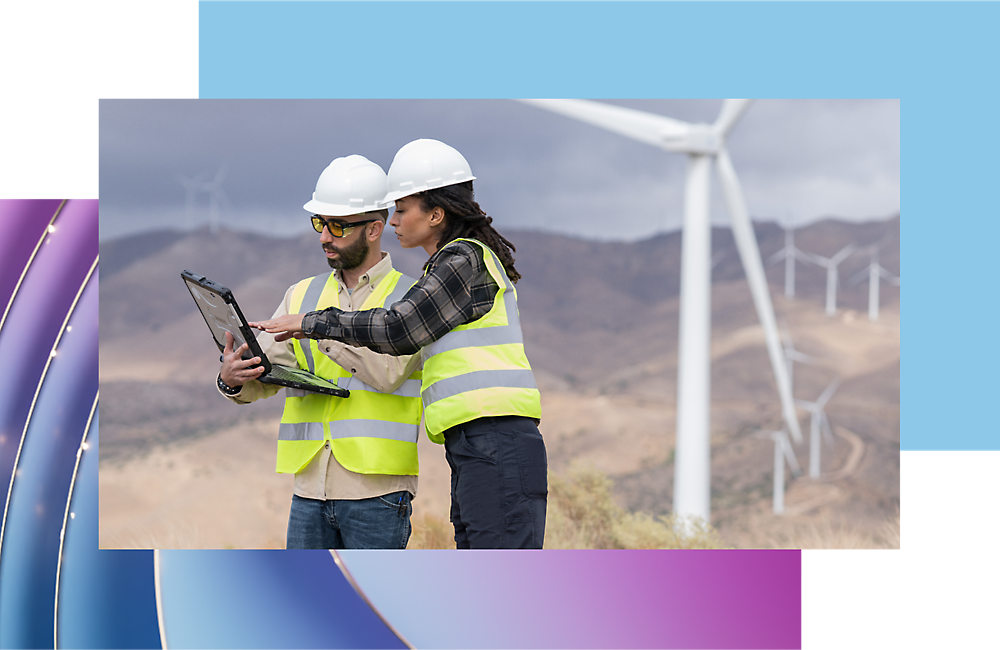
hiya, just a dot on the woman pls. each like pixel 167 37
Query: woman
pixel 480 397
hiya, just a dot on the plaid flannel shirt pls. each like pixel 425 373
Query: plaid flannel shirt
pixel 456 289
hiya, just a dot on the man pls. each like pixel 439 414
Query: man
pixel 354 458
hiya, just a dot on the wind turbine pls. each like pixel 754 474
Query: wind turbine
pixel 217 199
pixel 191 188
pixel 789 254
pixel 782 452
pixel 791 356
pixel 704 144
pixel 817 422
pixel 831 265
pixel 875 273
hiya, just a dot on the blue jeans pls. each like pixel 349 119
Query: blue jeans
pixel 378 522
pixel 499 483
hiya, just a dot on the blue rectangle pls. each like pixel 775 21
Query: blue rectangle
pixel 938 58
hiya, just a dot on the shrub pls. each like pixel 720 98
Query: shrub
pixel 582 514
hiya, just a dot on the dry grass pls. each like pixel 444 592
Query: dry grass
pixel 583 515
pixel 431 531
pixel 828 533
pixel 175 535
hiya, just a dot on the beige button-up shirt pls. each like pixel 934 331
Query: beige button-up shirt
pixel 323 477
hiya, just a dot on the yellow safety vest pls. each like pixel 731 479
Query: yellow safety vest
pixel 479 369
pixel 370 432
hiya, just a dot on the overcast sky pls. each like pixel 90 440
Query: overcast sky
pixel 798 160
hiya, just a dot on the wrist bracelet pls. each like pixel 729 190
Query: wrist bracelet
pixel 226 388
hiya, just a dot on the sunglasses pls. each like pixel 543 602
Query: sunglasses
pixel 337 228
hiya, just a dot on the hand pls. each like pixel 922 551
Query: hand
pixel 236 371
pixel 283 327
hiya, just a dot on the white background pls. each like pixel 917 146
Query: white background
pixel 58 58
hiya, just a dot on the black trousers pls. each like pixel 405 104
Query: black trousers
pixel 499 482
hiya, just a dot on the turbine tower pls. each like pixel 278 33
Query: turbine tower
pixel 217 199
pixel 782 452
pixel 789 254
pixel 791 356
pixel 832 274
pixel 875 273
pixel 818 421
pixel 704 144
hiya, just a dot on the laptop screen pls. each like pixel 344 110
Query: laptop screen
pixel 220 315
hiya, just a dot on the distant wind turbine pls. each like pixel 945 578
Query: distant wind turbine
pixel 791 356
pixel 782 453
pixel 875 273
pixel 218 200
pixel 192 186
pixel 832 275
pixel 789 254
pixel 704 144
pixel 818 422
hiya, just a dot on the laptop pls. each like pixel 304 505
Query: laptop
pixel 222 314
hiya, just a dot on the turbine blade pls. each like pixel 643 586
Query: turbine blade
pixel 790 351
pixel 818 260
pixel 746 243
pixel 638 125
pixel 859 276
pixel 843 254
pixel 828 393
pixel 194 183
pixel 801 357
pixel 732 111
pixel 777 257
pixel 807 258
pixel 790 455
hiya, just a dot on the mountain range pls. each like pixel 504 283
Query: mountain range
pixel 600 321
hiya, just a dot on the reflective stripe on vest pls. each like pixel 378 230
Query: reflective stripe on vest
pixel 300 431
pixel 479 369
pixel 370 432
pixel 409 387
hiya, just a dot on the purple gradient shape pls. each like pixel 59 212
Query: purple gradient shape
pixel 587 599
pixel 36 317
pixel 22 223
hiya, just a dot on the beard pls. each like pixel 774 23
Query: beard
pixel 350 256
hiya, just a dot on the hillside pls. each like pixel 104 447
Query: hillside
pixel 600 323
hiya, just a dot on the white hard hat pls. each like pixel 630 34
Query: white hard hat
pixel 349 185
pixel 425 165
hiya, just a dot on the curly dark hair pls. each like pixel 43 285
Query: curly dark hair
pixel 465 219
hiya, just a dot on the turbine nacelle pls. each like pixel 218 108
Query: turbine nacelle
pixel 700 139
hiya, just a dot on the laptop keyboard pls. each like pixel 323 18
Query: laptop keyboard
pixel 280 372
